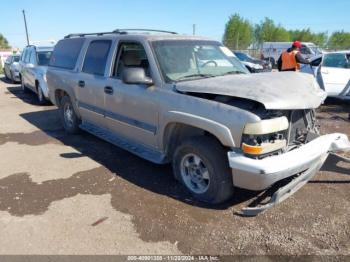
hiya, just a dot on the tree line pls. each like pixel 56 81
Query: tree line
pixel 240 33
pixel 4 44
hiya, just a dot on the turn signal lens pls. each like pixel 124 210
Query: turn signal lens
pixel 252 150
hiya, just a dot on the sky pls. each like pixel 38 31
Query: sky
pixel 53 19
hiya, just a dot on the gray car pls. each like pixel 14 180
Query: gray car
pixel 11 68
pixel 33 66
pixel 188 101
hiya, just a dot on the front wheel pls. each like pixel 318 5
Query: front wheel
pixel 201 165
pixel 68 116
pixel 41 98
pixel 23 86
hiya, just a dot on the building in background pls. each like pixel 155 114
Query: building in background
pixel 4 53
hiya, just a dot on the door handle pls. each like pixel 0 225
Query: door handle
pixel 81 83
pixel 108 90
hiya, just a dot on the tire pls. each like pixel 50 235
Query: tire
pixel 214 184
pixel 12 79
pixel 24 88
pixel 41 98
pixel 6 76
pixel 68 116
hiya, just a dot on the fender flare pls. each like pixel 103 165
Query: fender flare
pixel 220 131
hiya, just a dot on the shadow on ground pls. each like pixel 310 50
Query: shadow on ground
pixel 155 178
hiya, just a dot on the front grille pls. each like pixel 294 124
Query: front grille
pixel 302 122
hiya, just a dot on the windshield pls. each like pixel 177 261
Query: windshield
pixel 181 60
pixel 16 59
pixel 339 60
pixel 244 57
pixel 44 58
pixel 315 49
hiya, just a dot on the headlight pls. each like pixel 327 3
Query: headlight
pixel 264 137
pixel 266 126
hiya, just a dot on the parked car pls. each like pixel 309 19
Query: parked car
pixel 11 68
pixel 33 66
pixel 252 64
pixel 271 51
pixel 332 71
pixel 218 125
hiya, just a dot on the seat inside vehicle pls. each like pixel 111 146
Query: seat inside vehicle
pixel 133 58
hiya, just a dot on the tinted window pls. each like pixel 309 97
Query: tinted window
pixel 44 58
pixel 66 53
pixel 27 55
pixel 32 59
pixel 96 57
pixel 23 55
pixel 337 60
pixel 16 59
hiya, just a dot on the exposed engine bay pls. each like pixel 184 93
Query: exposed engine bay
pixel 302 129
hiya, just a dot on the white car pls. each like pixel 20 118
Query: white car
pixel 11 68
pixel 33 65
pixel 332 71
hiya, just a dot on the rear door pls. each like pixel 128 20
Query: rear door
pixel 92 82
pixel 335 72
pixel 30 69
pixel 24 69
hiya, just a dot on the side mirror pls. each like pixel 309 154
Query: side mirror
pixel 136 75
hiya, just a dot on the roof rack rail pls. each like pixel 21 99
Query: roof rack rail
pixel 144 30
pixel 118 31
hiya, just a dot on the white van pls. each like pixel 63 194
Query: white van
pixel 272 50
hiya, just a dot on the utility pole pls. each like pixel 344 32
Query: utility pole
pixel 237 39
pixel 194 29
pixel 25 24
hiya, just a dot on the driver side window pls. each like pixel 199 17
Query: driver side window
pixel 131 54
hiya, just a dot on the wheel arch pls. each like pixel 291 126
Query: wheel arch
pixel 180 128
pixel 60 93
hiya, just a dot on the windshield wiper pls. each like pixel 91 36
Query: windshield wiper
pixel 195 75
pixel 235 72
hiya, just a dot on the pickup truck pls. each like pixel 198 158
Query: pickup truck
pixel 188 101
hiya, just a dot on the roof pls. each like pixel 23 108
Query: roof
pixel 41 48
pixel 144 34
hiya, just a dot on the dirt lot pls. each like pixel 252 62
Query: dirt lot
pixel 62 194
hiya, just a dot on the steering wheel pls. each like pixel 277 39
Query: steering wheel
pixel 208 62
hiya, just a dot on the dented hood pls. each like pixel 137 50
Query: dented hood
pixel 286 90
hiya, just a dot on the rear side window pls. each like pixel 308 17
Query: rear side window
pixel 96 57
pixel 24 54
pixel 66 53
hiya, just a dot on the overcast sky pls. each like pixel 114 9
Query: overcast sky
pixel 53 19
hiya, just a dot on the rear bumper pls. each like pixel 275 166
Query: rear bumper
pixel 255 174
pixel 304 162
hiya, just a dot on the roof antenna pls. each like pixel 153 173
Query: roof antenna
pixel 25 24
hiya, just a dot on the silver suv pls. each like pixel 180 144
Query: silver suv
pixel 188 101
pixel 33 66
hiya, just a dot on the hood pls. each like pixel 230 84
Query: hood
pixel 287 90
pixel 253 65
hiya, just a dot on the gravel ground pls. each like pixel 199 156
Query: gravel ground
pixel 80 195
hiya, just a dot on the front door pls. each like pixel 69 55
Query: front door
pixel 131 109
pixel 335 72
pixel 91 82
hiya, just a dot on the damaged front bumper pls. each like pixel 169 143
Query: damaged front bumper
pixel 303 162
